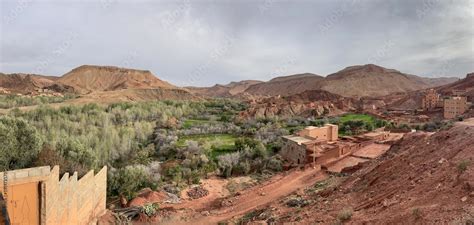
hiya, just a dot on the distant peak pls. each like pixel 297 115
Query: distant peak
pixel 371 68
pixel 108 68
pixel 294 76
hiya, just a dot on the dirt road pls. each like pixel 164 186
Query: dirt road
pixel 259 196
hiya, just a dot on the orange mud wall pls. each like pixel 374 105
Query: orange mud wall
pixel 38 196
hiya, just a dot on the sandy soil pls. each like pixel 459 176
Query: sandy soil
pixel 371 151
pixel 348 161
pixel 253 198
pixel 216 188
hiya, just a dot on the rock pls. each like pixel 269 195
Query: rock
pixel 197 192
pixel 262 194
pixel 205 213
pixel 471 194
pixel 172 198
pixel 464 199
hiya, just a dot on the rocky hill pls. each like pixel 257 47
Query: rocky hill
pixel 424 179
pixel 466 84
pixel 229 90
pixel 87 79
pixel 373 80
pixel 24 83
pixel 309 103
pixel 285 86
pixel 354 81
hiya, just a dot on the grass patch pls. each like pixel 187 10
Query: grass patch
pixel 462 166
pixel 416 213
pixel 220 143
pixel 196 122
pixel 362 117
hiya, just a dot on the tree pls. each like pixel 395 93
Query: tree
pixel 20 143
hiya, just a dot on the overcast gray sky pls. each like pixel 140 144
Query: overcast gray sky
pixel 192 42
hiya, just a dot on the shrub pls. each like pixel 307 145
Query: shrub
pixel 275 163
pixel 129 180
pixel 462 166
pixel 20 143
pixel 345 215
pixel 150 209
pixel 416 213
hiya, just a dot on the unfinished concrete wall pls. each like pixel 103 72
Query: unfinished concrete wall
pixel 73 201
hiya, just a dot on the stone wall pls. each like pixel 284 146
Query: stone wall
pixel 73 201
pixel 294 153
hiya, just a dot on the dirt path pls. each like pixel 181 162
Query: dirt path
pixel 260 196
pixel 216 188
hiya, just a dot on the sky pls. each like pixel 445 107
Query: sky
pixel 204 42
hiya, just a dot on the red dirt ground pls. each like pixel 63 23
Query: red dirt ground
pixel 371 151
pixel 424 179
pixel 259 196
pixel 348 161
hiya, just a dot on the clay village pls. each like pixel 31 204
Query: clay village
pixel 321 148
pixel 184 112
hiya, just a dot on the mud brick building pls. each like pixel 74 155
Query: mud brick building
pixel 321 145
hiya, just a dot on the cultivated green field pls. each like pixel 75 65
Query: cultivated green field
pixel 196 122
pixel 361 117
pixel 220 143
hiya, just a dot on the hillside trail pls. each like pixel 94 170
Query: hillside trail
pixel 256 197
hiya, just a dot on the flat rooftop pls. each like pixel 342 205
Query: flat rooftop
pixel 298 139
pixel 374 134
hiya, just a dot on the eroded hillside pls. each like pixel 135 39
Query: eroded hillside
pixel 424 179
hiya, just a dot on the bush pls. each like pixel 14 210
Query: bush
pixel 20 143
pixel 345 215
pixel 129 180
pixel 275 163
pixel 462 166
pixel 416 213
pixel 150 209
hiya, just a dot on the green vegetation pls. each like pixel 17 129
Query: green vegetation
pixel 166 144
pixel 219 143
pixel 361 117
pixel 12 101
pixel 353 124
pixel 345 215
pixel 21 143
pixel 144 144
pixel 416 213
pixel 196 122
pixel 151 209
pixel 349 124
pixel 218 140
pixel 462 166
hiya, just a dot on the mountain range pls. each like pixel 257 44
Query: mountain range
pixel 353 81
pixel 109 82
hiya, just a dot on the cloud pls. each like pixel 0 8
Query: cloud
pixel 206 42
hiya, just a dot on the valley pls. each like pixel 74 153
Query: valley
pixel 224 144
